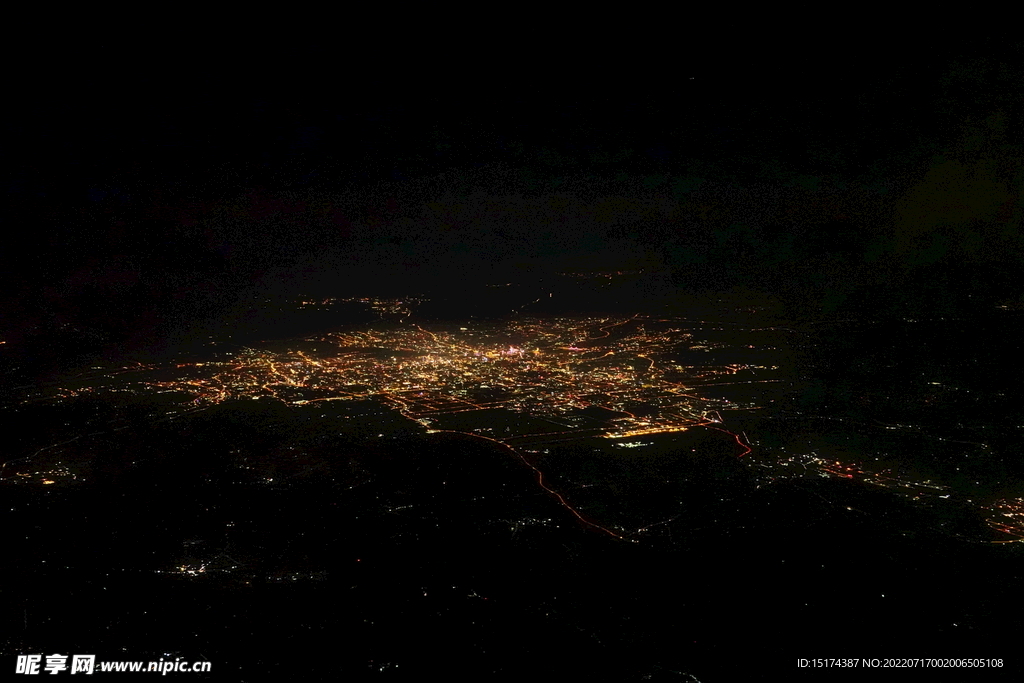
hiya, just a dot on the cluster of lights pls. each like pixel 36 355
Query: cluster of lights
pixel 812 464
pixel 541 367
pixel 1007 516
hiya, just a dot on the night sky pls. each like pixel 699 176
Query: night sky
pixel 147 192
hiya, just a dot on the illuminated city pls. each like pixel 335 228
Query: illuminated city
pixel 323 365
pixel 528 384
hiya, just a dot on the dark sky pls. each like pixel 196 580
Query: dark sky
pixel 143 188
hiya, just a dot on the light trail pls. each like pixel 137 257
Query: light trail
pixel 540 481
pixel 606 327
pixel 725 384
pixel 432 335
pixel 746 449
